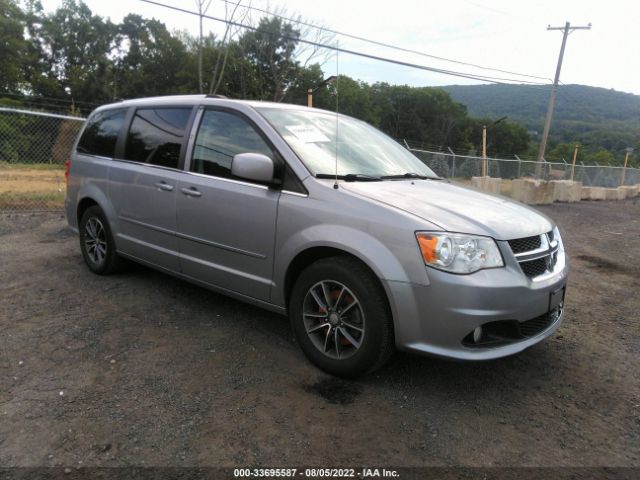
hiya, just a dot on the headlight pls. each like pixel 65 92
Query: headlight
pixel 458 253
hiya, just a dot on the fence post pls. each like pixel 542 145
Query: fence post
pixel 624 169
pixel 519 164
pixel 453 168
pixel 542 165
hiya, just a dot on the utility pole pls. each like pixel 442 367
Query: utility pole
pixel 567 29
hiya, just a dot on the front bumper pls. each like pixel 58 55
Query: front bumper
pixel 437 318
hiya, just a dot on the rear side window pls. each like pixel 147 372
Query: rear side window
pixel 101 133
pixel 156 136
pixel 221 136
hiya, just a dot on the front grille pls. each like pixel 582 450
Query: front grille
pixel 520 245
pixel 535 267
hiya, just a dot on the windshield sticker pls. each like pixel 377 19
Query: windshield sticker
pixel 307 133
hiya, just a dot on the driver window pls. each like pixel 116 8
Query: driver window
pixel 222 135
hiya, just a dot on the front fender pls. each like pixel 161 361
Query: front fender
pixel 362 245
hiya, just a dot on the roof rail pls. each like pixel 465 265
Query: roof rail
pixel 216 96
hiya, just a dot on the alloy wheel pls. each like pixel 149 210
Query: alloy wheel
pixel 95 240
pixel 333 319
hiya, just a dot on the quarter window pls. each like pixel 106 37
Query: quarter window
pixel 221 136
pixel 101 133
pixel 156 136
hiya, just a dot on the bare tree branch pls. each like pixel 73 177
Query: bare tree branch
pixel 217 77
pixel 203 6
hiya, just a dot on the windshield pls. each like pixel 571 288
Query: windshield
pixel 361 149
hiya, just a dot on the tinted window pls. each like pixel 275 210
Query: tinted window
pixel 101 133
pixel 156 136
pixel 221 136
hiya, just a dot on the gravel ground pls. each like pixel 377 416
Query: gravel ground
pixel 142 369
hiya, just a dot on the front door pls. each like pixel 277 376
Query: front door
pixel 226 225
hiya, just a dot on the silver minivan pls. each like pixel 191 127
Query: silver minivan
pixel 318 216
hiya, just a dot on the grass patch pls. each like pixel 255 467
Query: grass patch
pixel 25 201
pixel 31 166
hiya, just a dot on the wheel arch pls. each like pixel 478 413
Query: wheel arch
pixel 82 207
pixel 93 195
pixel 311 255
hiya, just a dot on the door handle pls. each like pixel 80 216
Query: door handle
pixel 164 186
pixel 191 192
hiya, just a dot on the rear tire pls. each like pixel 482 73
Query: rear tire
pixel 97 244
pixel 340 317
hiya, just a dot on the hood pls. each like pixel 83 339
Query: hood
pixel 456 208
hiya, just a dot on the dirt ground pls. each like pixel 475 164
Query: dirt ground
pixel 142 369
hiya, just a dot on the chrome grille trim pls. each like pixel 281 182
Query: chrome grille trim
pixel 548 251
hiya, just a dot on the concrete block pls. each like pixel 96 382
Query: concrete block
pixel 486 184
pixel 532 192
pixel 632 191
pixel 566 190
pixel 615 194
pixel 594 193
pixel 585 193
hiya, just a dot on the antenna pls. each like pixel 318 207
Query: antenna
pixel 335 185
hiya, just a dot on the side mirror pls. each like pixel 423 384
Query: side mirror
pixel 252 166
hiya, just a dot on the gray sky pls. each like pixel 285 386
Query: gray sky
pixel 503 34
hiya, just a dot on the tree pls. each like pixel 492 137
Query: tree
pixel 226 46
pixel 420 114
pixel 154 61
pixel 602 157
pixel 270 48
pixel 508 138
pixel 13 47
pixel 75 56
pixel 73 48
pixel 355 98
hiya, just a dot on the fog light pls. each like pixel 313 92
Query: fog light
pixel 477 334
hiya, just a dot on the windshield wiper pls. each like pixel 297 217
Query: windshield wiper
pixel 409 175
pixel 351 177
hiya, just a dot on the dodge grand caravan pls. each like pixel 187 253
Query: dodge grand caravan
pixel 320 217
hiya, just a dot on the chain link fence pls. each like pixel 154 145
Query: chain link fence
pixel 34 147
pixel 463 167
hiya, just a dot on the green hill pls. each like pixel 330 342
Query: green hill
pixel 598 118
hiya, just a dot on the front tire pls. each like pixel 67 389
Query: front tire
pixel 341 318
pixel 97 244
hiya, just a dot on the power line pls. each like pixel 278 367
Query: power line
pixel 386 45
pixel 482 78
